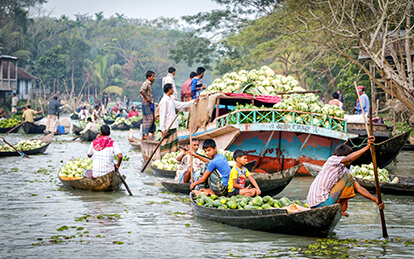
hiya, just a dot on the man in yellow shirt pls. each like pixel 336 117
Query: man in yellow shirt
pixel 238 175
pixel 29 114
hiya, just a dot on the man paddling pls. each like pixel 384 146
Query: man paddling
pixel 335 184
pixel 102 150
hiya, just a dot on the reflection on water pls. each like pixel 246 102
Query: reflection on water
pixel 155 223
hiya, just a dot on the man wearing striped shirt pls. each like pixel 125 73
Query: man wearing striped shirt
pixel 335 184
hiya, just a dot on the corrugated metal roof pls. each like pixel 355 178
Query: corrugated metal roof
pixel 21 73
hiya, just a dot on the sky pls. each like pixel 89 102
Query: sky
pixel 130 8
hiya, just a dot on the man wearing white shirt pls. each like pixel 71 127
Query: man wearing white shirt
pixel 167 107
pixel 90 126
pixel 170 79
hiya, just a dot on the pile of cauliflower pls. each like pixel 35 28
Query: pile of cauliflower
pixel 263 81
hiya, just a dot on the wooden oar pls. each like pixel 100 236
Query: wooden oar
pixel 18 151
pixel 374 161
pixel 191 149
pixel 21 123
pixel 159 144
pixel 124 182
pixel 377 186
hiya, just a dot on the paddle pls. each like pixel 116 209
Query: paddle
pixel 374 161
pixel 18 151
pixel 191 149
pixel 21 123
pixel 158 145
pixel 123 181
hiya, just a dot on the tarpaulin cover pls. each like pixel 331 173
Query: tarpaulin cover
pixel 261 98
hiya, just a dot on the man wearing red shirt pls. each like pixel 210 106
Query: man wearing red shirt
pixel 186 93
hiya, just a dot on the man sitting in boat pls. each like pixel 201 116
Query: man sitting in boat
pixel 217 172
pixel 83 113
pixel 167 107
pixel 102 150
pixel 29 114
pixel 90 126
pixel 238 176
pixel 335 184
pixel 183 174
pixel 132 113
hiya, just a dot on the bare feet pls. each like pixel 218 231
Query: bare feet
pixel 146 137
pixel 344 214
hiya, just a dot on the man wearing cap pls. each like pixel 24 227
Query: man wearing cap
pixel 364 101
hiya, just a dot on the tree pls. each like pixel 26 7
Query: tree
pixel 379 30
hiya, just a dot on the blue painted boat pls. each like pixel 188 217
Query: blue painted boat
pixel 275 139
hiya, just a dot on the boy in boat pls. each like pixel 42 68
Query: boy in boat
pixel 217 172
pixel 103 149
pixel 183 174
pixel 90 126
pixel 238 176
pixel 335 184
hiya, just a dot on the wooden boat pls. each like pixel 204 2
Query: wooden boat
pixel 408 147
pixel 136 124
pixel 264 134
pixel 108 122
pixel 38 118
pixel 89 135
pixel 43 122
pixel 108 182
pixel 385 151
pixel 120 126
pixel 405 185
pixel 33 128
pixel 270 184
pixel 74 116
pixel 5 130
pixel 318 222
pixel 163 173
pixel 47 139
pixel 76 129
pixel 381 132
pixel 134 138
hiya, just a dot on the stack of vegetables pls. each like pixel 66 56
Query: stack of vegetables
pixel 10 123
pixel 110 116
pixel 75 168
pixel 24 145
pixel 367 172
pixel 257 82
pixel 169 161
pixel 120 120
pixel 135 118
pixel 244 203
pixel 82 125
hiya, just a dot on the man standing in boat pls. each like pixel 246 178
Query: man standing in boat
pixel 167 109
pixel 364 101
pixel 169 79
pixel 335 184
pixel 52 115
pixel 102 150
pixel 148 119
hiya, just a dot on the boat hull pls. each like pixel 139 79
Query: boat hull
pixel 405 185
pixel 108 182
pixel 88 135
pixel 47 139
pixel 318 222
pixel 5 130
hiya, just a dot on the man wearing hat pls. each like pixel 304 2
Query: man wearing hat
pixel 364 101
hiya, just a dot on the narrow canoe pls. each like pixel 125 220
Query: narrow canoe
pixel 134 138
pixel 270 184
pixel 318 222
pixel 32 128
pixel 47 139
pixel 5 130
pixel 120 126
pixel 405 185
pixel 108 122
pixel 136 124
pixel 163 173
pixel 385 151
pixel 108 182
pixel 88 135
pixel 76 129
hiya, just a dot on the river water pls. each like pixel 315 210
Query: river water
pixel 40 219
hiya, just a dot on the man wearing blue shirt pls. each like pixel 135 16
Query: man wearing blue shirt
pixel 364 101
pixel 196 84
pixel 218 169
